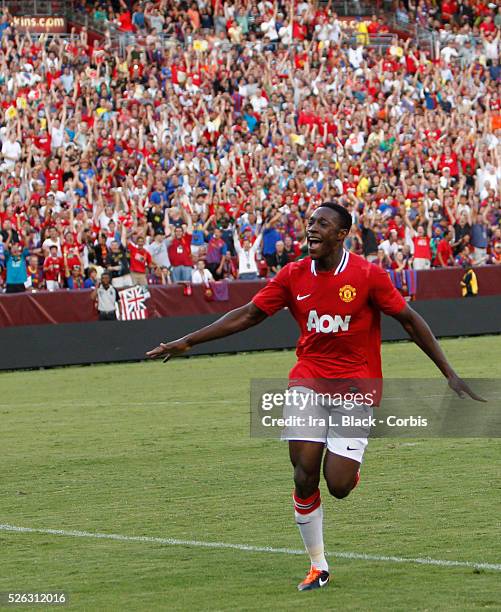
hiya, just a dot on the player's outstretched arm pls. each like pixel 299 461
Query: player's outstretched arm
pixel 421 334
pixel 232 322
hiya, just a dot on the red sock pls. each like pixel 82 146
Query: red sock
pixel 305 506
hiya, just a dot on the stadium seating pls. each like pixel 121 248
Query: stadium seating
pixel 183 119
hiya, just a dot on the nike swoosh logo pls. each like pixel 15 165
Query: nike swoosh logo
pixel 322 582
pixel 351 449
pixel 302 297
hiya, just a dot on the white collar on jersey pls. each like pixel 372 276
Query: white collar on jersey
pixel 341 267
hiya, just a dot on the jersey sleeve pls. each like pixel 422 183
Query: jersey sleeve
pixel 275 295
pixel 383 293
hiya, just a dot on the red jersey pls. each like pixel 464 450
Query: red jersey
pixel 72 259
pixel 53 176
pixel 52 268
pixel 338 314
pixel 139 258
pixel 180 251
pixel 449 162
pixel 422 248
pixel 445 249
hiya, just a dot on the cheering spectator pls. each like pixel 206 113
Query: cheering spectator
pixel 180 251
pixel 216 250
pixel 247 265
pixel 236 116
pixel 140 261
pixel 390 246
pixel 117 265
pixel 158 250
pixel 16 268
pixel 52 269
pixel 11 152
pixel 444 255
pixel 479 240
pixel 271 236
pixel 421 241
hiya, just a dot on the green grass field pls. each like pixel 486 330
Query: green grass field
pixel 160 450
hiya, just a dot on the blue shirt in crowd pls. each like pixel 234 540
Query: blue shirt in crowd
pixel 16 267
pixel 270 238
pixel 479 235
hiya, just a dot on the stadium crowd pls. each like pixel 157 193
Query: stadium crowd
pixel 197 146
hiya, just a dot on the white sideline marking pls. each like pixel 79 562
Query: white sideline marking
pixel 79 404
pixel 248 547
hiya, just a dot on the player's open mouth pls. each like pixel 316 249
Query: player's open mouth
pixel 313 242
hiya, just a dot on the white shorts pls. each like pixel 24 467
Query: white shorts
pixel 313 421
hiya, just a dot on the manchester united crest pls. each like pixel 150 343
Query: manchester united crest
pixel 347 293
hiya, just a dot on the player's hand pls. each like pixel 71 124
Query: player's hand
pixel 459 386
pixel 166 350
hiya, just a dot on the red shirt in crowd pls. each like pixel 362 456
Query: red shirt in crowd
pixel 72 259
pixel 43 143
pixel 125 20
pixel 54 176
pixel 450 162
pixel 422 248
pixel 52 267
pixel 139 258
pixel 469 166
pixel 488 27
pixel 180 251
pixel 444 248
pixel 449 8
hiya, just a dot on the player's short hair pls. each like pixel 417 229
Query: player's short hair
pixel 343 214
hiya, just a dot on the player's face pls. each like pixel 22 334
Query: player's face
pixel 323 233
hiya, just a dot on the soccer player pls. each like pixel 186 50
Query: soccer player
pixel 336 298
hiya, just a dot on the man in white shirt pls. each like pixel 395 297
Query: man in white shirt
pixel 449 52
pixel 356 141
pixel 158 251
pixel 67 79
pixel 57 134
pixel 390 245
pixel 247 265
pixel 356 55
pixel 11 152
pixel 106 216
pixel 106 297
pixel 491 46
pixel 200 275
pixel 487 178
pixel 269 29
pixel 53 239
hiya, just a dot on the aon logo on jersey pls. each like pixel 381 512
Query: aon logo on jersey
pixel 327 324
